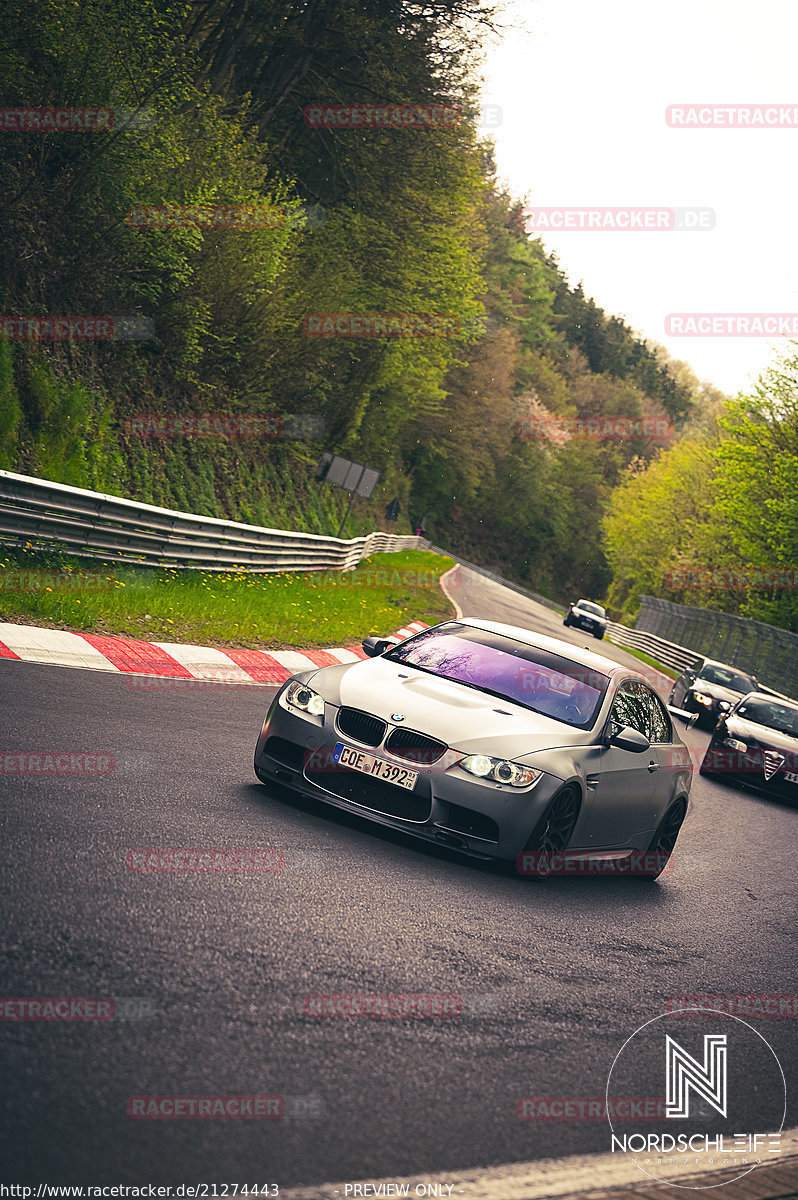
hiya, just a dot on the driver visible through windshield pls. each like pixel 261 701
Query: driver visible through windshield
pixel 538 680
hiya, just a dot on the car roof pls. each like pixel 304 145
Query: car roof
pixel 585 658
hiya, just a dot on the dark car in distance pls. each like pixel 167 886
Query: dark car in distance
pixel 710 689
pixel 757 744
pixel 588 616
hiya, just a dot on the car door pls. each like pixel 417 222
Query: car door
pixel 684 682
pixel 672 758
pixel 625 780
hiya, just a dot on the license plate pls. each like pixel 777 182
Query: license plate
pixel 378 768
pixel 792 776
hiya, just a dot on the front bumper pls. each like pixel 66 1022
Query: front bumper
pixel 708 714
pixel 747 769
pixel 482 819
pixel 588 624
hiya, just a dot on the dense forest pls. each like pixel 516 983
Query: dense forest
pixel 522 420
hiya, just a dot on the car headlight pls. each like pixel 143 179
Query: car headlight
pixel 299 695
pixel 501 770
pixel 703 698
pixel 735 744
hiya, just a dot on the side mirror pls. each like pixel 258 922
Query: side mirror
pixel 683 714
pixel 631 740
pixel 374 646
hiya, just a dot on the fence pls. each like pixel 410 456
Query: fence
pixel 763 650
pixel 95 525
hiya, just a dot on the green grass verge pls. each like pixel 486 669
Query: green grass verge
pixel 652 662
pixel 320 608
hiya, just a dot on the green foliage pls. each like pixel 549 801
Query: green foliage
pixel 407 220
pixel 10 409
pixel 711 521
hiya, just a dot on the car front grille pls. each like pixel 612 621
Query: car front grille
pixel 361 726
pixel 415 747
pixel 374 794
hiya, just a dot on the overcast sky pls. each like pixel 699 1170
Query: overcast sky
pixel 584 93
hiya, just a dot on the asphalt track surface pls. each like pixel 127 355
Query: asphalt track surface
pixel 210 972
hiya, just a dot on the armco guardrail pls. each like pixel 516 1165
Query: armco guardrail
pixel 783 672
pixel 763 650
pixel 677 657
pixel 96 525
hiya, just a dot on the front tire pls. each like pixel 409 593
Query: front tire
pixel 664 839
pixel 553 831
pixel 566 622
pixel 599 635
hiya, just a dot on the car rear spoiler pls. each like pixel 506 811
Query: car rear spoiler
pixel 683 714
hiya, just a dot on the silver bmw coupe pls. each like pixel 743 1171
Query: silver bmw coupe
pixel 494 741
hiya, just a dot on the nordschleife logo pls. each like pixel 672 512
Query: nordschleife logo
pixel 684 1074
pixel 714 1119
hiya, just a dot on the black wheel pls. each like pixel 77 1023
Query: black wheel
pixel 599 635
pixel 553 831
pixel 566 621
pixel 665 838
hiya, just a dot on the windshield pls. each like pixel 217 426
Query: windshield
pixel 589 606
pixel 490 662
pixel 772 715
pixel 726 677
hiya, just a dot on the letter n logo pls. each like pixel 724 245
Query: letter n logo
pixel 707 1079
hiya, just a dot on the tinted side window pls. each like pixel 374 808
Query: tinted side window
pixel 660 727
pixel 631 707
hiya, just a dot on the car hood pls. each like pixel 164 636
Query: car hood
pixel 762 735
pixel 460 716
